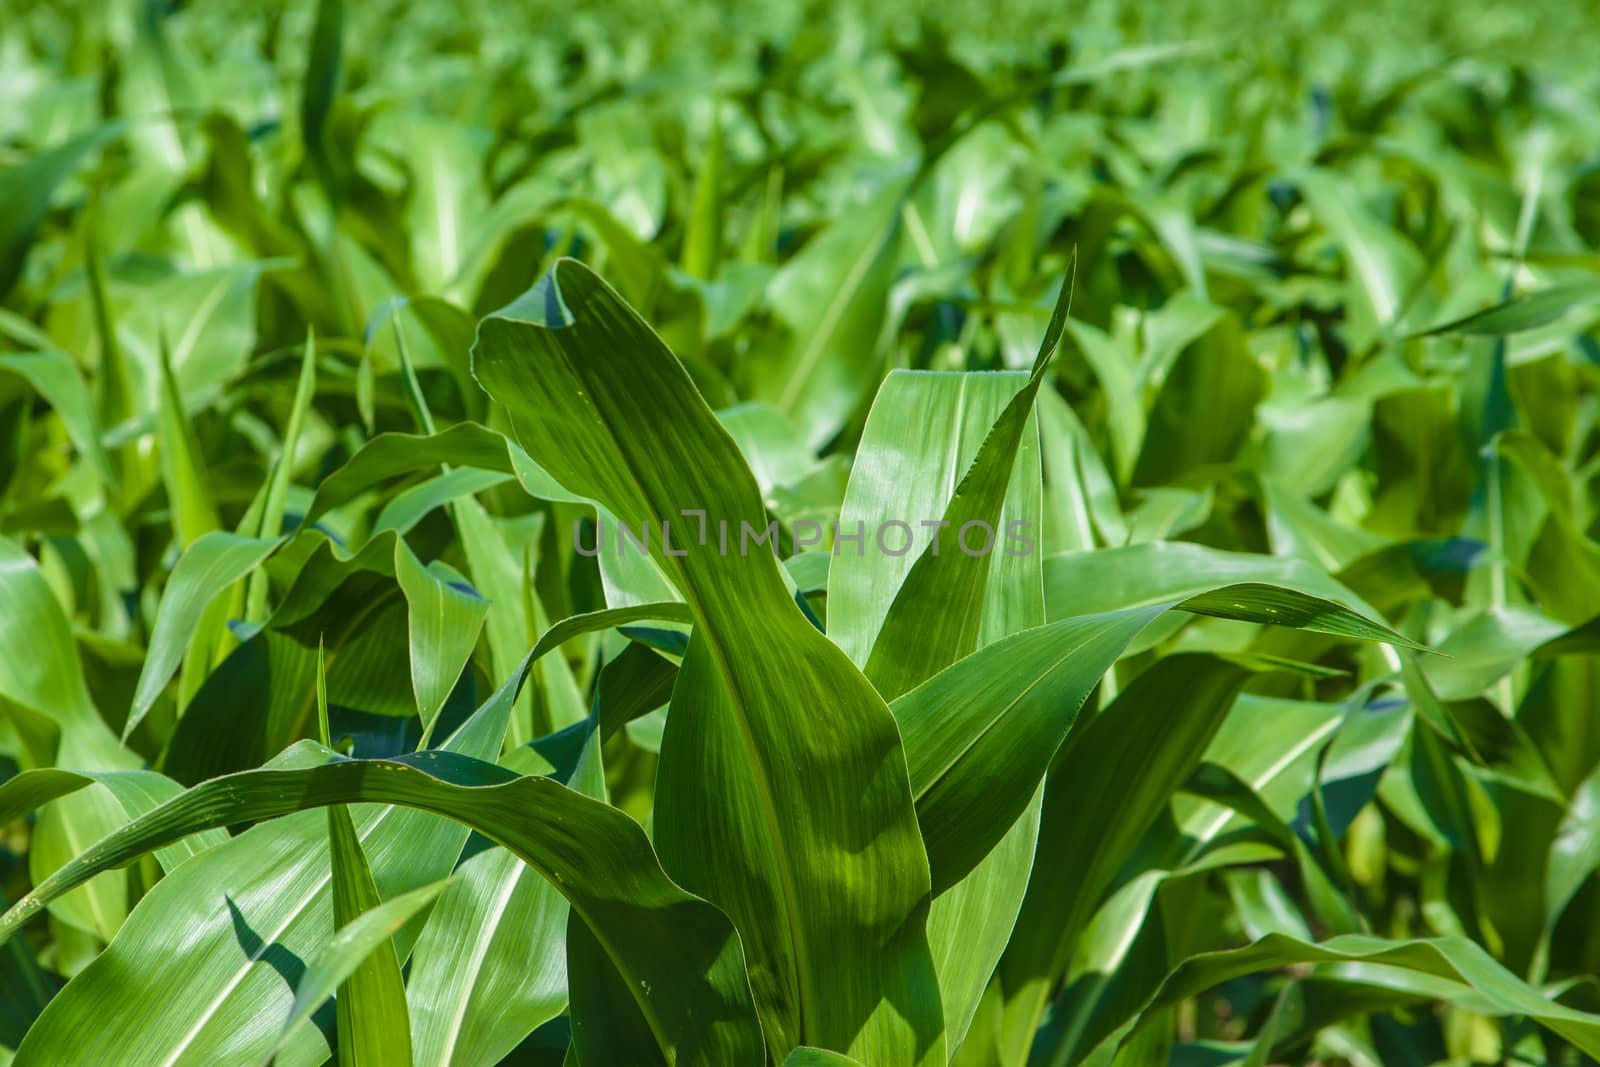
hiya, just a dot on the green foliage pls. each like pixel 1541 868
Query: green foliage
pixel 825 536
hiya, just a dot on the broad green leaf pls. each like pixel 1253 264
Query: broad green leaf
pixel 632 685
pixel 494 566
pixel 1130 758
pixel 898 476
pixel 1168 331
pixel 930 623
pixel 1309 444
pixel 1220 784
pixel 1298 528
pixel 491 965
pixel 49 679
pixel 608 618
pixel 980 734
pixel 1478 731
pixel 1486 648
pixel 1252 451
pixel 259 700
pixel 46 677
pixel 610 1026
pixel 1118 374
pixel 1080 500
pixel 680 956
pixel 444 615
pixel 60 831
pixel 1277 606
pixel 483 974
pixel 1084 583
pixel 410 506
pixel 772 446
pixel 809 571
pixel 109 800
pixel 970 923
pixel 640 270
pixel 391 455
pixel 206 569
pixel 135 793
pixel 1263 905
pixel 1275 749
pixel 978 749
pixel 204 315
pixel 830 897
pixel 923 432
pixel 349 598
pixel 216 996
pixel 501 557
pixel 445 193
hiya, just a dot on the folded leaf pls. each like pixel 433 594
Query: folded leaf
pixel 928 625
pixel 1130 758
pixel 782 795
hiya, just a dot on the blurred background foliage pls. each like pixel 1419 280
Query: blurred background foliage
pixel 1289 221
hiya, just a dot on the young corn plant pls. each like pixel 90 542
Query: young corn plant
pixel 1015 546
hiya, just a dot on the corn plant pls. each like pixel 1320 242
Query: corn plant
pixel 1016 545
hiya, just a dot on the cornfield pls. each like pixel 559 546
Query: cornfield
pixel 804 535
